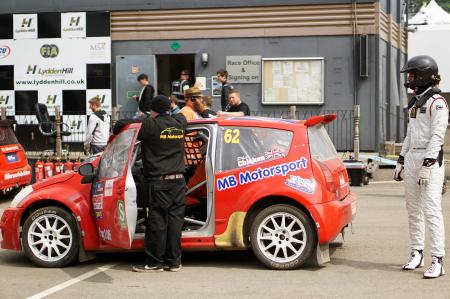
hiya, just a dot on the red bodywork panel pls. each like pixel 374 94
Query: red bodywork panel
pixel 14 168
pixel 326 196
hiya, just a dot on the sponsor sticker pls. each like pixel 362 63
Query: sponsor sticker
pixel 109 186
pixel 121 211
pixel 105 234
pixel 97 203
pixel 439 107
pixel 10 148
pixel 99 188
pixel 246 177
pixel 4 51
pixel 301 184
pixel 10 176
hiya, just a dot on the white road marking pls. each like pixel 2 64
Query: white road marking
pixel 72 281
pixel 385 182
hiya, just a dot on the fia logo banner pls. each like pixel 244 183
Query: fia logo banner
pixel 49 51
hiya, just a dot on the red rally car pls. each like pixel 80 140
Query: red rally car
pixel 274 185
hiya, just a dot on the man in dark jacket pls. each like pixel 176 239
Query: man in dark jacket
pixel 162 139
pixel 145 97
pixel 222 77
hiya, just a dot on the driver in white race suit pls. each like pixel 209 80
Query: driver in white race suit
pixel 422 159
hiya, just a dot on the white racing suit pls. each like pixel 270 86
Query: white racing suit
pixel 424 139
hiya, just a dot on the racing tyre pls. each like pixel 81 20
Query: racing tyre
pixel 282 237
pixel 50 237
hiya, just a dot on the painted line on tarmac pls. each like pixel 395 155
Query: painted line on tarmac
pixel 72 281
pixel 386 182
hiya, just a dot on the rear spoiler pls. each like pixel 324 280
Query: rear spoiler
pixel 320 119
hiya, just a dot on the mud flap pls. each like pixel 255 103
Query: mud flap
pixel 320 256
pixel 83 256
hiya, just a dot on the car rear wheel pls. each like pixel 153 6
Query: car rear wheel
pixel 282 237
pixel 50 237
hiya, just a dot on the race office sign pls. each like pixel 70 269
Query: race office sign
pixel 244 69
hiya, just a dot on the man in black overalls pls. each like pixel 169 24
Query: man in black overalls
pixel 162 137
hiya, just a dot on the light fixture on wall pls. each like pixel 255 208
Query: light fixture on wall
pixel 205 58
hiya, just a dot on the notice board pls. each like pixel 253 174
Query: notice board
pixel 293 81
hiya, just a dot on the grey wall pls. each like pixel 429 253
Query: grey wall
pixel 335 50
pixel 339 69
pixel 25 6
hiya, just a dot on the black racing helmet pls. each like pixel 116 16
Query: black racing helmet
pixel 425 71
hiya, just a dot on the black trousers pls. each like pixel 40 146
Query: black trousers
pixel 165 222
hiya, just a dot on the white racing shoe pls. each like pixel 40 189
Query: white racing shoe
pixel 436 268
pixel 416 260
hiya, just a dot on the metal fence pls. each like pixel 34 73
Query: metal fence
pixel 340 130
pixel 28 134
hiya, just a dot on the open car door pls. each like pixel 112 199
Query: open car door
pixel 114 191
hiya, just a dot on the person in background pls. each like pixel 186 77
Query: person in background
pixel 194 105
pixel 97 133
pixel 146 96
pixel 179 86
pixel 174 105
pixel 208 112
pixel 162 137
pixel 236 107
pixel 222 77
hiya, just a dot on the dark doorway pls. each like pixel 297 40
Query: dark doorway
pixel 169 67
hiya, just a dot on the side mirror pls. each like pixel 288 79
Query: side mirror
pixel 87 171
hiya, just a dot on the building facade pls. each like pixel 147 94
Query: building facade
pixel 321 56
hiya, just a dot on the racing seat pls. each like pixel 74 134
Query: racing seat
pixel 195 156
pixel 47 127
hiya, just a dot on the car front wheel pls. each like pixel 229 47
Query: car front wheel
pixel 50 237
pixel 282 237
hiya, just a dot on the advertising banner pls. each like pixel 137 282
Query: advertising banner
pixel 25 26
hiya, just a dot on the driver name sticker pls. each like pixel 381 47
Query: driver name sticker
pixel 109 185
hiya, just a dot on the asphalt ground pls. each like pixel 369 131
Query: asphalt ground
pixel 366 265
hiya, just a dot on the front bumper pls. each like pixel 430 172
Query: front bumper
pixel 9 228
pixel 331 217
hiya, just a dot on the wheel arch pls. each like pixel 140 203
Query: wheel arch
pixel 87 231
pixel 268 201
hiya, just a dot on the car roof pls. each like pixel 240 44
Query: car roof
pixel 250 121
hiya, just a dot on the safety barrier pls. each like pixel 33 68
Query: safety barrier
pixel 28 134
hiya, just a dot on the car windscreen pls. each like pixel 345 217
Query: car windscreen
pixel 7 136
pixel 320 144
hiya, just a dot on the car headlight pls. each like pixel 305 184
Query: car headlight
pixel 21 195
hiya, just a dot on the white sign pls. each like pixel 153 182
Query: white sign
pixel 73 24
pixel 201 83
pixel 25 26
pixel 51 97
pixel 105 99
pixel 244 69
pixel 98 49
pixel 77 125
pixel 7 100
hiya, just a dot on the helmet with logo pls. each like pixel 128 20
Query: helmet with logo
pixel 425 71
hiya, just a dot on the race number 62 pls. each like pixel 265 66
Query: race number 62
pixel 231 136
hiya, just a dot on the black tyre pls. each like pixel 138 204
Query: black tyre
pixel 282 237
pixel 50 237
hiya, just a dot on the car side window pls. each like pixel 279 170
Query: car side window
pixel 244 146
pixel 115 157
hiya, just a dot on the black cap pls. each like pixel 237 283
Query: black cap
pixel 160 104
